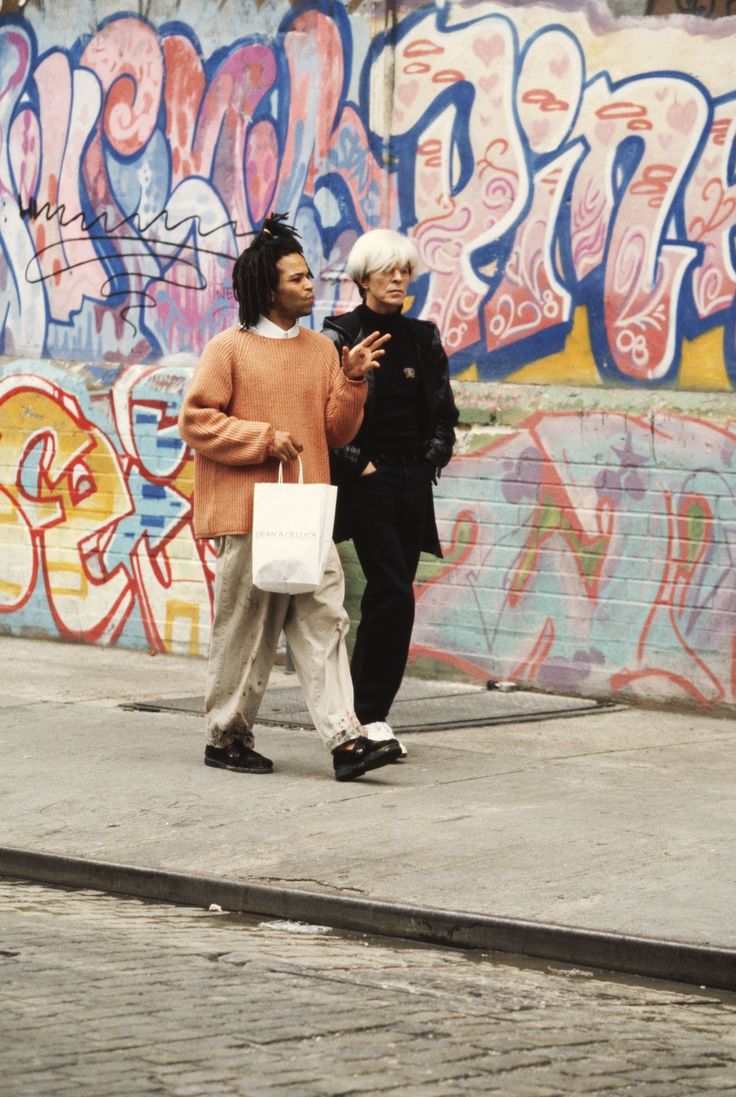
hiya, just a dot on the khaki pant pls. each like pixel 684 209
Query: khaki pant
pixel 245 633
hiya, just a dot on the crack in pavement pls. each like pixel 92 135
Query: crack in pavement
pixel 307 880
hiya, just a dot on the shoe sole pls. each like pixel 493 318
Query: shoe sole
pixel 235 769
pixel 381 758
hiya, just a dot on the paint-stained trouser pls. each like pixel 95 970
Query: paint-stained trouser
pixel 245 634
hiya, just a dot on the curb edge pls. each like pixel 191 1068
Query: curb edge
pixel 678 961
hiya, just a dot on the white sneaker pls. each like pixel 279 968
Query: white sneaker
pixel 379 731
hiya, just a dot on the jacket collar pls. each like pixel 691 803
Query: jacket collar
pixel 349 323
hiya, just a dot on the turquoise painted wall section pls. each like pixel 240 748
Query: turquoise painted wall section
pixel 590 553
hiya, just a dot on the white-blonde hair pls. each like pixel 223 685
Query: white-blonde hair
pixel 380 249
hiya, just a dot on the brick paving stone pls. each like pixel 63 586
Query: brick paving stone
pixel 105 997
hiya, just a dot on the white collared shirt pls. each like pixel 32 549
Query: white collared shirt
pixel 270 330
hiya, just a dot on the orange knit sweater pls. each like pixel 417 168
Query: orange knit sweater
pixel 245 388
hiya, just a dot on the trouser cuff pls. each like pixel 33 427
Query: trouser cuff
pixel 224 739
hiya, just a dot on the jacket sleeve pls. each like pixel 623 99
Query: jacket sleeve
pixel 346 461
pixel 204 421
pixel 438 449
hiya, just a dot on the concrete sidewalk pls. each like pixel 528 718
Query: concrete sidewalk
pixel 619 822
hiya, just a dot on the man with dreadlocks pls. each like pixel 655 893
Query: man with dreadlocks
pixel 264 392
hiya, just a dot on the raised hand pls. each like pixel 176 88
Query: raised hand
pixel 358 360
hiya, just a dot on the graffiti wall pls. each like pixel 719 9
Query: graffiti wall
pixel 590 553
pixel 570 183
pixel 95 509
pixel 586 553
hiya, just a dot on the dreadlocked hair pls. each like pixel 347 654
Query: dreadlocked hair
pixel 255 274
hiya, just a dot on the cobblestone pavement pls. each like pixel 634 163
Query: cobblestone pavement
pixel 104 996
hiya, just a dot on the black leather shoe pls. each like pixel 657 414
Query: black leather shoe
pixel 237 757
pixel 364 756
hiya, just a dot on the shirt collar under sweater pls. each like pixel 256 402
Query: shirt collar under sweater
pixel 270 330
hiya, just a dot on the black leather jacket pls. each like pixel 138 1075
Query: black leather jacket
pixel 438 428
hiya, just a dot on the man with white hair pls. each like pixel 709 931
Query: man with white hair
pixel 385 475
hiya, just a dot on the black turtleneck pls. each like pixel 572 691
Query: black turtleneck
pixel 397 415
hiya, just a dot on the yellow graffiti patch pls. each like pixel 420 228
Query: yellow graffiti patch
pixel 469 374
pixel 184 482
pixel 182 611
pixel 76 585
pixel 702 367
pixel 575 365
pixel 14 590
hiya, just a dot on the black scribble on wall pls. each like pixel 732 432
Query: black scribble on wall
pixel 100 234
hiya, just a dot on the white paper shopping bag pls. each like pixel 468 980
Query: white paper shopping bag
pixel 292 534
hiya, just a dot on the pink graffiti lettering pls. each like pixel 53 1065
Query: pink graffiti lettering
pixel 534 185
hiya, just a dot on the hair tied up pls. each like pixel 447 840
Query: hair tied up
pixel 275 225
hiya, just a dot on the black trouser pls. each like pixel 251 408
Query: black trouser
pixel 388 509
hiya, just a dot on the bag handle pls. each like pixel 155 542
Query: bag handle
pixel 281 471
